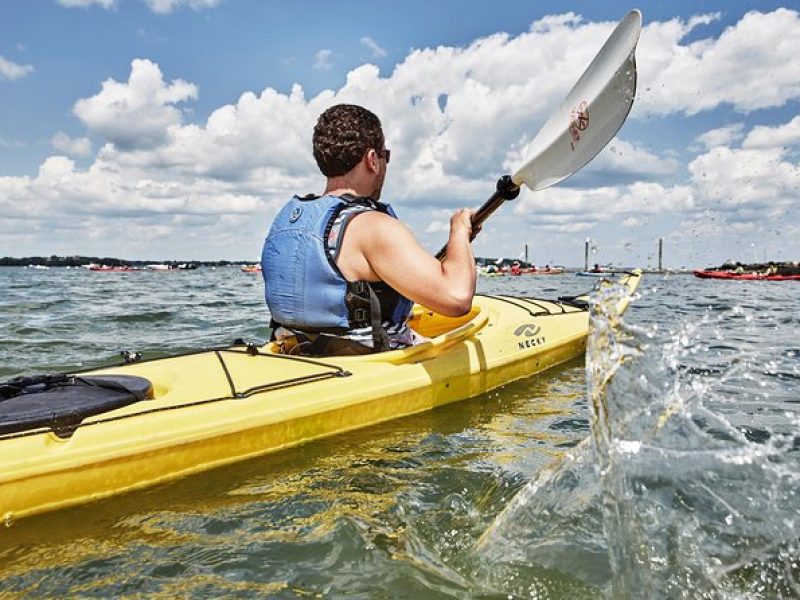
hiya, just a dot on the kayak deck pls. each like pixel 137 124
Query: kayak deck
pixel 223 405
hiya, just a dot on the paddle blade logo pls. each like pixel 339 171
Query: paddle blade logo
pixel 531 332
pixel 578 121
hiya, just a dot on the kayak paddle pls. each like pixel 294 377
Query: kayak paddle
pixel 586 120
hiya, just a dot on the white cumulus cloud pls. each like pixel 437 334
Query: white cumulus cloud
pixel 86 3
pixel 157 6
pixel 747 185
pixel 752 65
pixel 721 136
pixel 762 136
pixel 559 205
pixel 322 60
pixel 138 113
pixel 622 162
pixel 11 71
pixel 80 147
pixel 167 6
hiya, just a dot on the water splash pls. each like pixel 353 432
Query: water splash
pixel 688 485
pixel 691 499
pixel 556 521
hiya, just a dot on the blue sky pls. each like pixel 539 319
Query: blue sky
pixel 162 129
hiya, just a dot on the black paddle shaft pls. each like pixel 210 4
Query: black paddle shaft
pixel 506 190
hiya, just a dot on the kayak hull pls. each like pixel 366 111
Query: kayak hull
pixel 221 406
pixel 743 276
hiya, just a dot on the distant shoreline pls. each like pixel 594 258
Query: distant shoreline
pixel 82 261
pixel 108 261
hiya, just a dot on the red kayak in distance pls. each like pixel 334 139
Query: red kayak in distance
pixel 108 269
pixel 703 274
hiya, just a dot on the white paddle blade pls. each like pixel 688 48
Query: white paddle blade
pixel 590 115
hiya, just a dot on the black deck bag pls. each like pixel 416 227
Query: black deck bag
pixel 61 402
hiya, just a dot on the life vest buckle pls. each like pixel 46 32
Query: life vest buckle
pixel 359 287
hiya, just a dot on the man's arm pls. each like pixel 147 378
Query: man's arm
pixel 392 253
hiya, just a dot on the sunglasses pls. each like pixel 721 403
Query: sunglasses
pixel 385 153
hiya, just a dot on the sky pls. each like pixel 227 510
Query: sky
pixel 175 129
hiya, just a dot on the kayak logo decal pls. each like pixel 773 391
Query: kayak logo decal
pixel 528 330
pixel 578 121
pixel 531 334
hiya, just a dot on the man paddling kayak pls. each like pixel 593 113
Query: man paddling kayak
pixel 341 272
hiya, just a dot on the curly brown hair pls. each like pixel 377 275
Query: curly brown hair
pixel 342 135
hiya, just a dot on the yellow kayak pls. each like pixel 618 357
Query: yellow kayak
pixel 219 406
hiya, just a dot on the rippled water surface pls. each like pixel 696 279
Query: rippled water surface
pixel 670 470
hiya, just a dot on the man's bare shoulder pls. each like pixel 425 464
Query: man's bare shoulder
pixel 374 217
pixel 373 223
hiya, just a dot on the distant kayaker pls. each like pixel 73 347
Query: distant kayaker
pixel 340 270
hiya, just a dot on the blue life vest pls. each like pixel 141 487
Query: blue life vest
pixel 304 288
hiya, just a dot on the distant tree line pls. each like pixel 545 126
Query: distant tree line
pixel 77 261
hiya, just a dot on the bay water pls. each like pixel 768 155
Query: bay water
pixel 666 464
